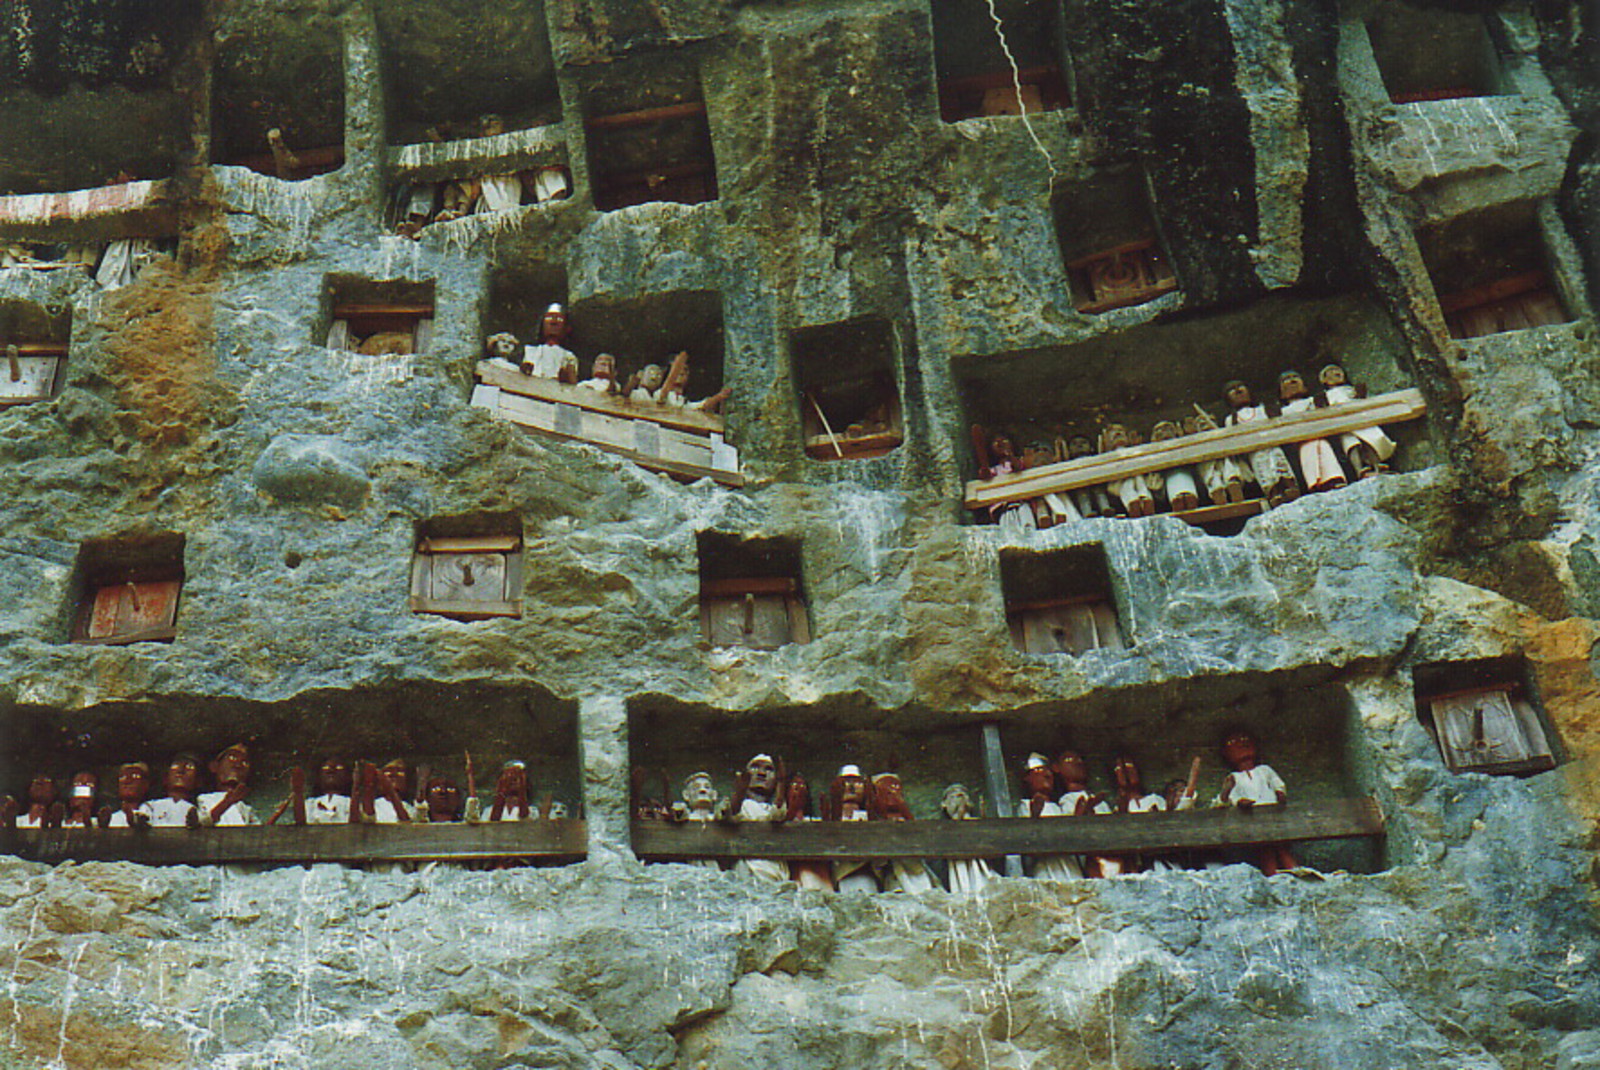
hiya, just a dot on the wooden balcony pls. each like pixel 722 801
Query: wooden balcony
pixel 129 209
pixel 1392 408
pixel 1223 827
pixel 563 840
pixel 682 442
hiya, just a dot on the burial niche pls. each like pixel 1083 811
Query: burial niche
pixel 468 568
pixel 638 376
pixel 1484 715
pixel 1492 271
pixel 130 589
pixel 1060 601
pixel 278 98
pixel 1433 54
pixel 1109 242
pixel 465 772
pixel 849 399
pixel 452 70
pixel 1211 419
pixel 375 318
pixel 33 345
pixel 750 592
pixel 1000 60
pixel 648 135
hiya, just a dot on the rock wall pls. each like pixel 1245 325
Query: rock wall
pixel 1294 200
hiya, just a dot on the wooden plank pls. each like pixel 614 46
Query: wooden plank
pixel 991 837
pixel 1396 407
pixel 753 585
pixel 152 635
pixel 541 416
pixel 1210 514
pixel 36 349
pixel 852 447
pixel 345 312
pixel 1498 290
pixel 560 840
pixel 621 120
pixel 1127 300
pixel 466 609
pixel 469 544
pixel 567 394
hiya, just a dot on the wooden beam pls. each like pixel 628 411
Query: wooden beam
pixel 784 585
pixel 1210 514
pixel 619 120
pixel 563 840
pixel 1329 819
pixel 1490 292
pixel 531 386
pixel 345 312
pixel 1396 407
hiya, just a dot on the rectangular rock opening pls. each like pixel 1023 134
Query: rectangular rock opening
pixel 285 76
pixel 456 70
pixel 669 740
pixel 1066 412
pixel 33 343
pixel 92 98
pixel 751 592
pixel 1110 243
pixel 1485 717
pixel 1492 272
pixel 468 567
pixel 977 77
pixel 434 729
pixel 637 376
pixel 1302 727
pixel 128 589
pixel 1433 54
pixel 1060 601
pixel 846 378
pixel 648 135
pixel 376 317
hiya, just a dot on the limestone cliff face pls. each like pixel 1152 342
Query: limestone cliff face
pixel 1307 217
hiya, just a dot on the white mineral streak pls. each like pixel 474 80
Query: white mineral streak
pixel 294 207
pixel 870 521
pixel 534 147
pixel 1264 73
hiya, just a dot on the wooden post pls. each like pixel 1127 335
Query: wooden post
pixel 999 786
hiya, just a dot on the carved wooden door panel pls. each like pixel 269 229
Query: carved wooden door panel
pixel 754 621
pixel 468 578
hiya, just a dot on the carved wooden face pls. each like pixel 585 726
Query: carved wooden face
pixel 1239 751
pixel 763 777
pixel 1080 446
pixel 1239 395
pixel 889 790
pixel 398 778
pixel 232 767
pixel 553 327
pixel 444 800
pixel 1039 780
pixel 333 777
pixel 1114 437
pixel 1332 376
pixel 605 367
pixel 504 346
pixel 1164 430
pixel 83 785
pixel 42 791
pixel 133 783
pixel 699 793
pixel 183 777
pixel 650 377
pixel 513 782
pixel 853 788
pixel 1291 385
pixel 1070 767
pixel 957 803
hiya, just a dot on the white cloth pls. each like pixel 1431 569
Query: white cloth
pixel 854 874
pixel 641 394
pixel 550 183
pixel 1375 437
pixel 603 386
pixel 1271 466
pixel 909 875
pixel 239 813
pixel 163 813
pixel 547 361
pixel 500 193
pixel 1180 481
pixel 1318 463
pixel 330 809
pixel 700 817
pixel 763 868
pixel 384 813
pixel 122 261
pixel 1128 491
pixel 969 876
pixel 28 821
pixel 1259 785
pixel 1051 867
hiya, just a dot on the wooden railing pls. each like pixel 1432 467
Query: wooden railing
pixel 1331 819
pixel 664 438
pixel 1238 441
pixel 562 840
pixel 141 208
